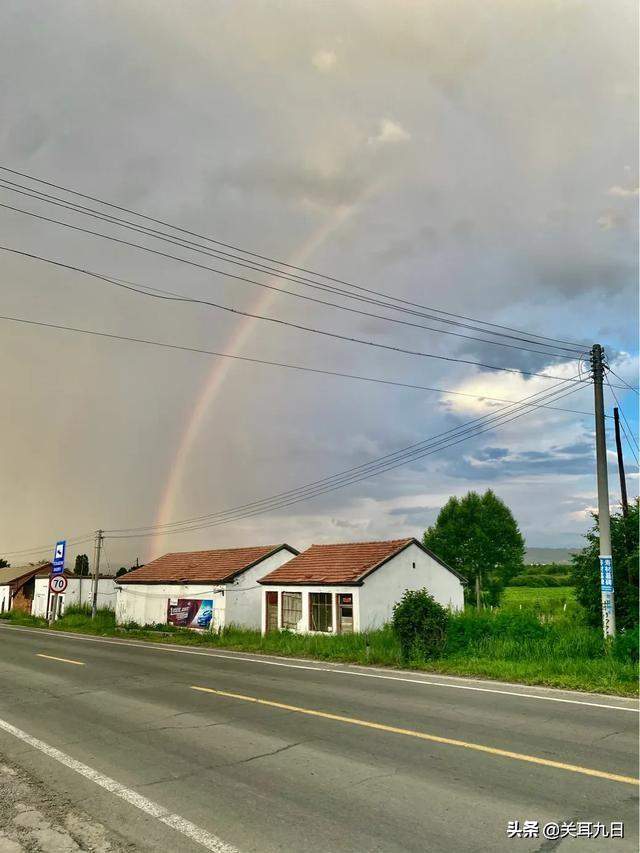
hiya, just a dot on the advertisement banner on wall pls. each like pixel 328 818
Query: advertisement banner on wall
pixel 190 612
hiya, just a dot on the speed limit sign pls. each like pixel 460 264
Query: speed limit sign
pixel 57 583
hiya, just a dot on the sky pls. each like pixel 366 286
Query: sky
pixel 480 158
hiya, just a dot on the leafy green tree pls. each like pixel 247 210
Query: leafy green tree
pixel 121 571
pixel 82 565
pixel 478 536
pixel 4 564
pixel 586 570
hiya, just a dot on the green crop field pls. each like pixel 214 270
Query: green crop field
pixel 541 599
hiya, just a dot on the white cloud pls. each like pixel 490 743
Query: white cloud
pixel 389 132
pixel 623 192
pixel 324 60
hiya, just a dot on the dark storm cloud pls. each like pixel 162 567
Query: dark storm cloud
pixel 460 155
pixel 494 463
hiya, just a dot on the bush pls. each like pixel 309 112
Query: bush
pixel 420 624
pixel 626 645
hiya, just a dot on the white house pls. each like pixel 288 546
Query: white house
pixel 353 586
pixel 79 591
pixel 17 585
pixel 200 589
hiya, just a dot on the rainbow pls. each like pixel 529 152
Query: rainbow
pixel 215 380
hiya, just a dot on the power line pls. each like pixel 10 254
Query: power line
pixel 286 503
pixel 359 473
pixel 268 363
pixel 179 298
pixel 621 410
pixel 325 333
pixel 46 549
pixel 577 347
pixel 630 387
pixel 246 280
pixel 375 466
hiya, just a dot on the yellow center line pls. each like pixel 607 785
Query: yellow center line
pixel 478 747
pixel 62 660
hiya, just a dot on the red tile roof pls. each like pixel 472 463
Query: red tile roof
pixel 201 566
pixel 345 563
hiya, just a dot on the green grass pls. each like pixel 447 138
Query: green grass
pixel 538 643
pixel 546 601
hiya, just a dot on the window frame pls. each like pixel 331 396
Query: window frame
pixel 287 596
pixel 327 607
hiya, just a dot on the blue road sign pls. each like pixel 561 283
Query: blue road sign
pixel 58 557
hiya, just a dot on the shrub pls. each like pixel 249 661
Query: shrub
pixel 420 624
pixel 626 645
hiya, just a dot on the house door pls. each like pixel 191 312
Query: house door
pixel 345 613
pixel 272 611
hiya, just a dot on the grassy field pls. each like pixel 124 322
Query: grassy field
pixel 542 600
pixel 531 640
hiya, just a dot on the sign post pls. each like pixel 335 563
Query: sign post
pixel 56 575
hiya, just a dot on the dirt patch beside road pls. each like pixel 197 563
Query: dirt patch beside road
pixel 35 820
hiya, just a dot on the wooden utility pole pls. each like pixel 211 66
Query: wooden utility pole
pixel 623 479
pixel 604 521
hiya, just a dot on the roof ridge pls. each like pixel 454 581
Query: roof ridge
pixel 362 542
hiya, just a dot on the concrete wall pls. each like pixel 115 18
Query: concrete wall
pixel 244 595
pixel 411 569
pixel 78 591
pixel 303 624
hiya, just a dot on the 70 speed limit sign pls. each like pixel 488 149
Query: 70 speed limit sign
pixel 57 583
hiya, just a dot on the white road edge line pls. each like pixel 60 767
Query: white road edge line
pixel 175 821
pixel 319 668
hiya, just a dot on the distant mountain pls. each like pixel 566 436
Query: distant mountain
pixel 549 555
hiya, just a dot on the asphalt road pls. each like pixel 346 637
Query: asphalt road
pixel 386 762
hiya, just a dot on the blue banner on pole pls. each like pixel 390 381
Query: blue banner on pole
pixel 606 574
pixel 58 557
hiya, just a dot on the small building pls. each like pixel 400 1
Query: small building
pixel 79 591
pixel 353 587
pixel 199 589
pixel 17 585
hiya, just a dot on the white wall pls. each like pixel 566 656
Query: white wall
pixel 237 603
pixel 78 591
pixel 146 603
pixel 373 601
pixel 5 598
pixel 244 595
pixel 303 624
pixel 384 587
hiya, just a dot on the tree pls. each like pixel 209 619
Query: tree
pixel 82 565
pixel 478 536
pixel 4 564
pixel 121 571
pixel 586 570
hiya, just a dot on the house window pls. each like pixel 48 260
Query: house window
pixel 291 610
pixel 320 611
